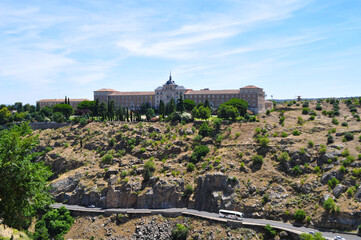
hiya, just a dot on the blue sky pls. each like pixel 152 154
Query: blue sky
pixel 49 49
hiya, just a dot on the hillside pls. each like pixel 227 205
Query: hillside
pixel 110 164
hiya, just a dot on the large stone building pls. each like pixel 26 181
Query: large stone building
pixel 255 96
pixel 51 102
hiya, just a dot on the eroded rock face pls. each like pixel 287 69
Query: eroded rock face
pixel 213 192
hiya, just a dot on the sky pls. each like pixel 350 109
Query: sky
pixel 58 48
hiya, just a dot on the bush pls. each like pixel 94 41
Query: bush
pixel 53 225
pixel 180 232
pixel 270 232
pixel 300 215
pixel 188 190
pixel 264 142
pixel 265 198
pixel 333 182
pixel 330 139
pixel 284 157
pixel 190 167
pixel 149 168
pixel 305 111
pixel 344 124
pixel 334 121
pixel 317 169
pixel 199 152
pixel 107 159
pixel 329 204
pixel 296 170
pixel 296 133
pixel 310 144
pixel 349 136
pixel 205 129
pixel 283 134
pixel 318 107
pixel 257 160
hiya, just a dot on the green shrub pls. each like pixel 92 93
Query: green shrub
pixel 296 133
pixel 205 129
pixel 333 182
pixel 284 157
pixel 180 232
pixel 317 169
pixel 53 225
pixel 188 190
pixel 107 159
pixel 310 144
pixel 296 170
pixel 265 198
pixel 149 169
pixel 257 160
pixel 264 142
pixel 342 169
pixel 345 153
pixel 270 232
pixel 305 111
pixel 300 215
pixel 349 136
pixel 318 107
pixel 344 124
pixel 111 142
pixel 199 152
pixel 330 139
pixel 329 204
pixel 190 167
pixel 300 120
pixel 312 118
pixel 334 121
pixel 283 134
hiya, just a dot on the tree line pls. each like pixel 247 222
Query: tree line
pixel 181 109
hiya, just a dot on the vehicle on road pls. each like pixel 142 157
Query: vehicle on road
pixel 231 214
pixel 338 238
pixel 91 206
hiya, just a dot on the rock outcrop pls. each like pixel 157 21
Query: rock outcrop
pixel 213 192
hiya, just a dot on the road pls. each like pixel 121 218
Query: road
pixel 208 215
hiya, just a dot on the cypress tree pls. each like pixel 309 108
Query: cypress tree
pixel 161 108
pixel 206 104
pixel 180 105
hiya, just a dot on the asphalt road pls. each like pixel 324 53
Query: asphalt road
pixel 208 215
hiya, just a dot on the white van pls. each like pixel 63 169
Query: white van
pixel 231 214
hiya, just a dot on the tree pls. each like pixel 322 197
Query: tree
pixel 58 117
pixel 18 106
pixel 240 104
pixel 103 110
pixel 170 107
pixel 150 113
pixel 23 181
pixel 65 109
pixel 161 108
pixel 86 107
pixel 53 225
pixel 5 115
pixel 201 112
pixel 180 104
pixel 189 105
pixel 180 232
pixel 300 215
pixel 227 111
pixel 111 110
pixel 46 111
pixel 206 104
pixel 144 107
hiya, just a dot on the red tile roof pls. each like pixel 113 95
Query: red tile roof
pixel 201 92
pixel 250 86
pixel 131 93
pixel 63 100
pixel 106 90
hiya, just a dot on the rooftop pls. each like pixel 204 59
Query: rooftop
pixel 63 100
pixel 207 91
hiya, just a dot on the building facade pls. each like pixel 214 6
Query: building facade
pixel 51 102
pixel 255 96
